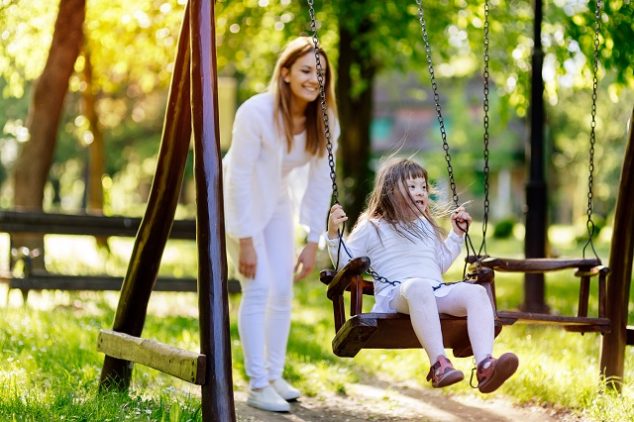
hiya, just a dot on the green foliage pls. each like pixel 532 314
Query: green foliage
pixel 503 229
pixel 132 47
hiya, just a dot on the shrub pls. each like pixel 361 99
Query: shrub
pixel 503 229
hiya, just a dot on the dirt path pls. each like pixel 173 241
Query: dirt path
pixel 383 402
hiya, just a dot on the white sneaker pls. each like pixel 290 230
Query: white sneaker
pixel 285 390
pixel 267 399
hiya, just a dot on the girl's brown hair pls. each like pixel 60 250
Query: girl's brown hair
pixel 390 202
pixel 315 137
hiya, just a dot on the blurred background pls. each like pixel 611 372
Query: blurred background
pixel 103 136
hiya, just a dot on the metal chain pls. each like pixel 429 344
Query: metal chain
pixel 595 82
pixel 329 146
pixel 334 199
pixel 434 85
pixel 324 105
pixel 485 137
pixel 443 133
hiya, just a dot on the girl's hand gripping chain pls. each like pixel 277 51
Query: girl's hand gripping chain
pixel 335 219
pixel 460 220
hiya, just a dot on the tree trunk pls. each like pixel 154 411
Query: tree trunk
pixel 96 149
pixel 96 162
pixel 355 112
pixel 47 101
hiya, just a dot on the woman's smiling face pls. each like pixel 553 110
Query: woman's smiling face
pixel 302 78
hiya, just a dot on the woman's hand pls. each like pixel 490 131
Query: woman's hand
pixel 335 219
pixel 248 258
pixel 460 220
pixel 306 261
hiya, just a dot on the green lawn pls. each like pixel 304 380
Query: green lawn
pixel 50 366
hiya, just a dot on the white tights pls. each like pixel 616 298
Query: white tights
pixel 264 318
pixel 416 298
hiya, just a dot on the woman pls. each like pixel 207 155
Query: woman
pixel 275 133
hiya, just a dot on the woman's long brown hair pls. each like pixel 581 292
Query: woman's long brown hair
pixel 315 136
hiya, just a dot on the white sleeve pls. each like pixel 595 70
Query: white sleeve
pixel 449 250
pixel 316 200
pixel 245 149
pixel 356 245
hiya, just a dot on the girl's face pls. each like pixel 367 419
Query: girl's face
pixel 302 79
pixel 414 190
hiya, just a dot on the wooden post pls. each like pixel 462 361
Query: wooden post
pixel 620 277
pixel 536 189
pixel 213 306
pixel 159 214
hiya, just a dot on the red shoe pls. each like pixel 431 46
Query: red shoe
pixel 442 373
pixel 492 373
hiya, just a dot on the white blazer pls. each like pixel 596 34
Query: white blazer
pixel 253 173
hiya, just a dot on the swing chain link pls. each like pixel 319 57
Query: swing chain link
pixel 485 137
pixel 595 83
pixel 323 104
pixel 441 122
pixel 334 199
pixel 329 146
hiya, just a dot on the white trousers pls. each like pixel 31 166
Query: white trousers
pixel 264 317
pixel 416 298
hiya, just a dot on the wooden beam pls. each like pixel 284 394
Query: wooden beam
pixel 620 276
pixel 188 366
pixel 84 224
pixel 153 232
pixel 213 306
pixel 48 281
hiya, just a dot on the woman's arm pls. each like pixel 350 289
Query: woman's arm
pixel 314 204
pixel 246 145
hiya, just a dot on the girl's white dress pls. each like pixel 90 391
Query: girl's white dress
pixel 396 257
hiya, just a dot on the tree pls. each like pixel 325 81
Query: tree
pixel 47 100
pixel 371 37
pixel 46 106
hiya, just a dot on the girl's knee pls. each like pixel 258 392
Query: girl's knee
pixel 417 290
pixel 480 292
pixel 478 297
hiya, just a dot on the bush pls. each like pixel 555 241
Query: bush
pixel 503 229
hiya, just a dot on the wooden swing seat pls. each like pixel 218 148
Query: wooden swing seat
pixel 585 270
pixel 383 330
pixel 394 331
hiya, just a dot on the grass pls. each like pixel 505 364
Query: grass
pixel 50 367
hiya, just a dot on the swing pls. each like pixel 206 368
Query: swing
pixel 394 331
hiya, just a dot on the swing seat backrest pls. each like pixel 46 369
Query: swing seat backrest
pixel 585 270
pixel 381 330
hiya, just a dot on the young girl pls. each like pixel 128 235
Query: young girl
pixel 275 133
pixel 400 235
